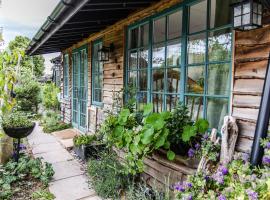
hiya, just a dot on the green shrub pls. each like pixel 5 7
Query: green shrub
pixel 49 96
pixel 16 119
pixel 107 175
pixel 27 94
pixel 27 170
pixel 52 122
pixel 43 195
pixel 80 140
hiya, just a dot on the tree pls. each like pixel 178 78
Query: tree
pixel 33 63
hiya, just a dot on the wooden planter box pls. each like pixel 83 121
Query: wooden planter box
pixel 89 151
pixel 160 172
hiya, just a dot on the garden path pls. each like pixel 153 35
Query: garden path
pixel 69 181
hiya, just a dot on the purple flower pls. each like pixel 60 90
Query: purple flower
pixel 197 146
pixel 179 187
pixel 218 177
pixel 190 197
pixel 191 152
pixel 266 160
pixel 22 147
pixel 189 185
pixel 251 194
pixel 224 170
pixel 207 178
pixel 205 136
pixel 267 145
pixel 221 197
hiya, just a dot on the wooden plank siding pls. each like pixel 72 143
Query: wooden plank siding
pixel 251 58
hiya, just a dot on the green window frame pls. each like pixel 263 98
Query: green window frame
pixel 198 75
pixel 66 76
pixel 97 75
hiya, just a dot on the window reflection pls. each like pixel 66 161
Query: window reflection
pixel 143 60
pixel 195 106
pixel 175 25
pixel 158 102
pixel 198 16
pixel 219 18
pixel 173 80
pixel 216 110
pixel 196 48
pixel 143 80
pixel 133 60
pixel 159 30
pixel 173 53
pixel 171 101
pixel 158 59
pixel 158 80
pixel 195 79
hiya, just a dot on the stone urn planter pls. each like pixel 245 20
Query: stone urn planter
pixel 89 151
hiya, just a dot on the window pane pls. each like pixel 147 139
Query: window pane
pixel 216 110
pixel 158 80
pixel 173 80
pixel 175 25
pixel 158 102
pixel 143 80
pixel 174 53
pixel 97 81
pixel 97 95
pixel 171 101
pixel 198 16
pixel 195 79
pixel 218 79
pixel 159 30
pixel 144 35
pixel 220 45
pixel 133 60
pixel 133 38
pixel 219 18
pixel 132 79
pixel 141 100
pixel 158 59
pixel 143 60
pixel 195 106
pixel 196 49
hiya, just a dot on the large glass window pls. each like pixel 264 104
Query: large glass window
pixel 65 75
pixel 97 74
pixel 168 62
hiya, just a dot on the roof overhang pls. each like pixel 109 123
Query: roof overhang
pixel 73 20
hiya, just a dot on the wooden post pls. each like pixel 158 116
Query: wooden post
pixel 229 136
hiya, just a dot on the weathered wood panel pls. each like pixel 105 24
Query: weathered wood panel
pixel 251 70
pixel 248 86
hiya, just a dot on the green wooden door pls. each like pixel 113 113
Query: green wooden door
pixel 79 89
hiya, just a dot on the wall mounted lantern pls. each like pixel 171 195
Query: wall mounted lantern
pixel 104 53
pixel 247 14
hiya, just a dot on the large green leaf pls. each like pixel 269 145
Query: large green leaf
pixel 189 131
pixel 166 115
pixel 118 131
pixel 147 109
pixel 202 125
pixel 123 116
pixel 156 120
pixel 160 142
pixel 170 155
pixel 148 135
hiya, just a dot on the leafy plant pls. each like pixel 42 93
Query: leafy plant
pixel 49 96
pixel 52 122
pixel 84 140
pixel 27 169
pixel 43 195
pixel 107 175
pixel 16 119
pixel 200 126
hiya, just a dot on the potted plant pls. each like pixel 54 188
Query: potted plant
pixel 86 146
pixel 17 125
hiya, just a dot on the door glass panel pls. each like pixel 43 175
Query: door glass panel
pixel 158 59
pixel 143 80
pixel 133 38
pixel 220 45
pixel 158 80
pixel 159 30
pixel 173 80
pixel 195 79
pixel 144 35
pixel 158 102
pixel 141 100
pixel 143 59
pixel 132 80
pixel 219 18
pixel 174 53
pixel 171 101
pixel 195 106
pixel 133 60
pixel 218 79
pixel 217 108
pixel 175 25
pixel 196 49
pixel 198 17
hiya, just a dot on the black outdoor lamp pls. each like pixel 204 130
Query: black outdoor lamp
pixel 247 14
pixel 104 53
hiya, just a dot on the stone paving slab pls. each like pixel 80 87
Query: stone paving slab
pixel 41 140
pixel 66 169
pixel 55 156
pixel 67 143
pixel 66 134
pixel 73 188
pixel 44 148
pixel 92 198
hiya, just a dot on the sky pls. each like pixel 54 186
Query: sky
pixel 25 17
